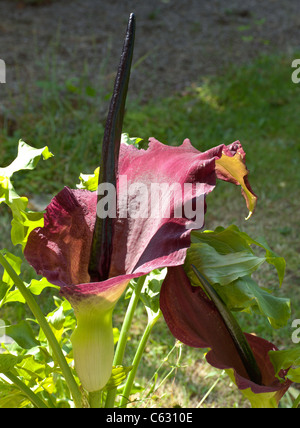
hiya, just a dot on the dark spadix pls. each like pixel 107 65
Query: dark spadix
pixel 238 337
pixel 101 249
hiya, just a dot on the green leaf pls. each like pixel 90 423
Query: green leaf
pixel 11 397
pixel 27 158
pixel 36 287
pixel 245 294
pixel 118 375
pixel 151 290
pixel 130 141
pixel 7 283
pixel 57 318
pixel 224 241
pixel 8 362
pixel 89 181
pixel 23 222
pixel 4 287
pixel 15 263
pixel 220 268
pixel 271 257
pixel 231 239
pixel 23 334
pixel 30 369
pixel 285 359
pixel 227 259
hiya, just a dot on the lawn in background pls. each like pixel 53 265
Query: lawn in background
pixel 257 104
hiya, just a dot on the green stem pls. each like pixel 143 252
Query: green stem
pixel 36 401
pixel 210 390
pixel 35 309
pixel 172 369
pixel 124 333
pixel 296 403
pixel 136 360
pixel 153 388
pixel 95 399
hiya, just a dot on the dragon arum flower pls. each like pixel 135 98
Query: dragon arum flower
pixel 61 250
pixel 94 257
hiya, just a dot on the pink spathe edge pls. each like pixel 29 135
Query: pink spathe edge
pixel 100 295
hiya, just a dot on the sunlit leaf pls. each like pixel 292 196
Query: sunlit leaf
pixel 11 397
pixel 130 141
pixel 23 221
pixel 27 158
pixel 118 375
pixel 89 181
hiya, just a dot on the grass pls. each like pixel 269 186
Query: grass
pixel 257 104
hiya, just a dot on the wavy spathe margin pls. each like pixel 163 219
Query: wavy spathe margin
pixel 60 250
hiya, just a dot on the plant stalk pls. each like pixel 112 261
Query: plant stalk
pixel 95 399
pixel 137 359
pixel 35 309
pixel 36 401
pixel 124 333
pixel 296 403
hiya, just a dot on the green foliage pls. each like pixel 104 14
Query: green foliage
pixel 287 359
pixel 226 258
pixel 118 376
pixel 219 110
pixel 23 220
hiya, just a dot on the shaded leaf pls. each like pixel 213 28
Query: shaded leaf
pixel 8 362
pixel 23 334
pixel 227 258
pixel 220 268
pixel 245 294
